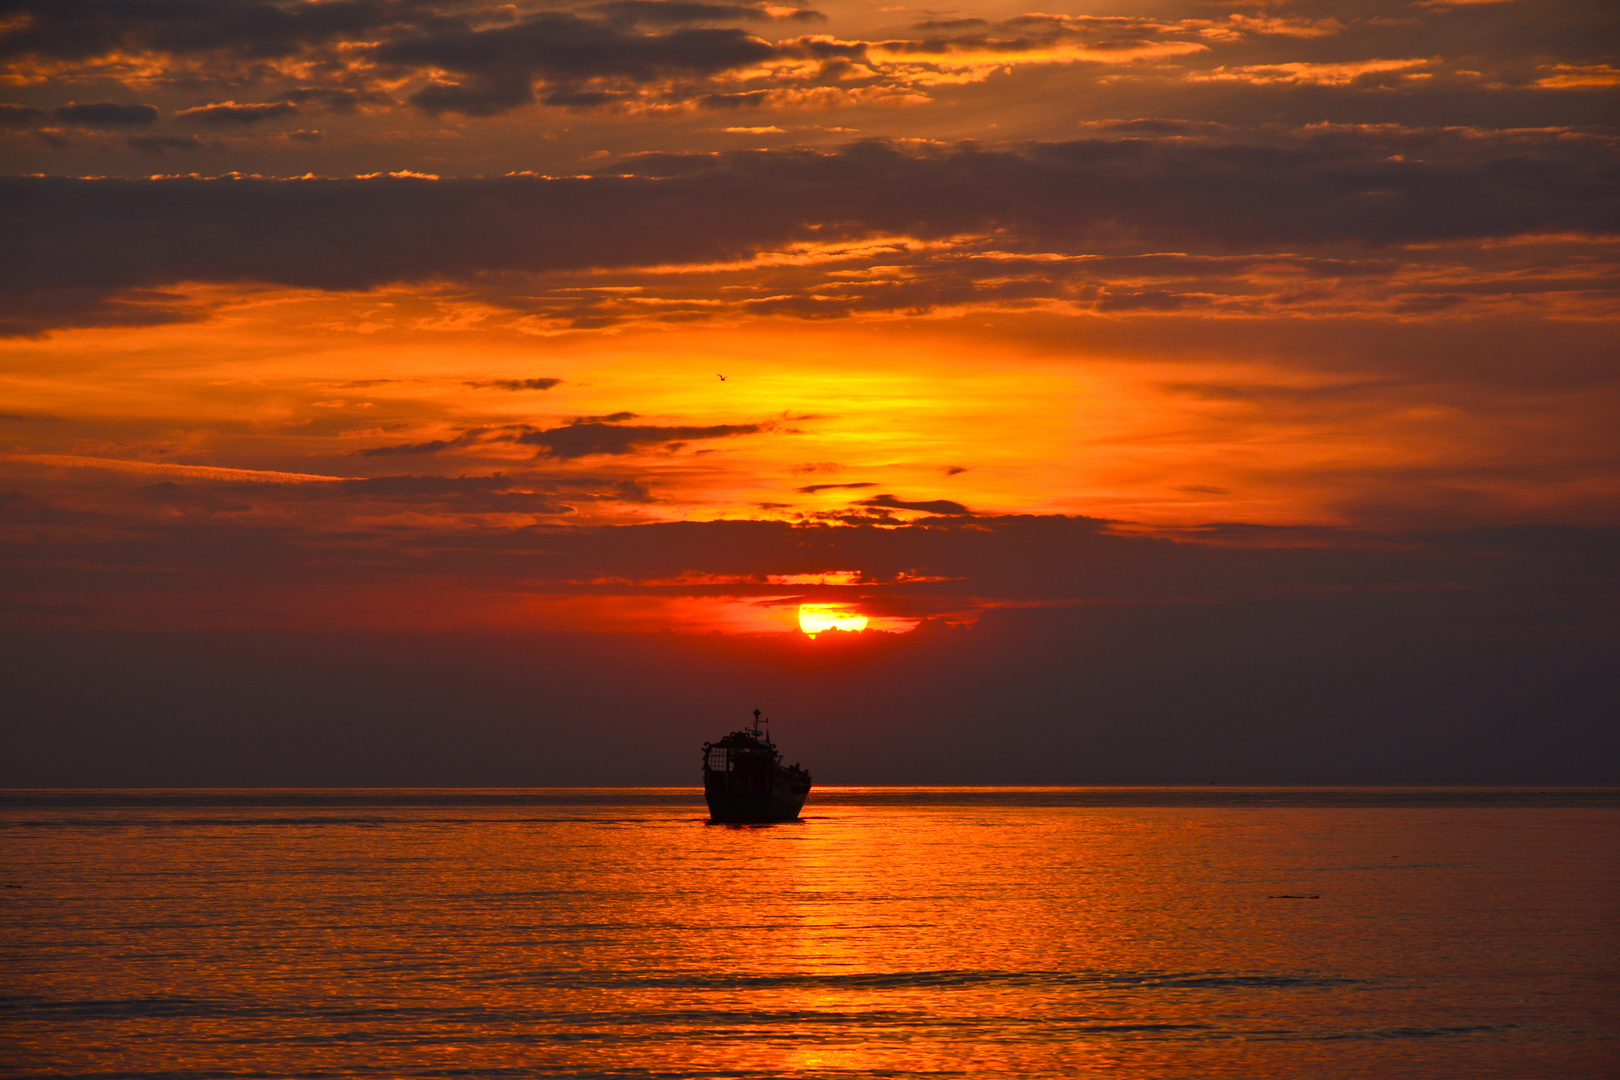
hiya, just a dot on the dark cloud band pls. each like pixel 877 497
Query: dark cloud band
pixel 71 244
pixel 91 114
pixel 590 437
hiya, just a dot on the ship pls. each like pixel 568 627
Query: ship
pixel 745 782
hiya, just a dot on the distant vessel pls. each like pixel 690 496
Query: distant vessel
pixel 744 779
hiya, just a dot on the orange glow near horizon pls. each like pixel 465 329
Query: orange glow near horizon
pixel 996 417
pixel 814 618
pixel 948 310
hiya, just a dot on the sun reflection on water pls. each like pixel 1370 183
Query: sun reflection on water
pixel 902 932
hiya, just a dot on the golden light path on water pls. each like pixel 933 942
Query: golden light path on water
pixel 900 932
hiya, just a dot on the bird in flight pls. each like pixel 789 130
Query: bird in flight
pixel 722 378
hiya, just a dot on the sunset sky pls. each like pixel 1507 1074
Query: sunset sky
pixel 341 319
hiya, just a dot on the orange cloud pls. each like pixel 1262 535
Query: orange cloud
pixel 1577 76
pixel 1313 74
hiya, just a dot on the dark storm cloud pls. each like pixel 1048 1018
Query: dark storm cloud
pixel 492 96
pixel 500 64
pixel 106 114
pixel 22 116
pixel 67 238
pixel 675 12
pixel 84 29
pixel 931 506
pixel 811 489
pixel 515 384
pixel 585 438
pixel 482 59
pixel 493 61
pixel 432 446
pixel 92 114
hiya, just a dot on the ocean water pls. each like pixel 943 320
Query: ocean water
pixel 890 933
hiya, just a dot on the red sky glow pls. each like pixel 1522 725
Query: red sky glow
pixel 641 316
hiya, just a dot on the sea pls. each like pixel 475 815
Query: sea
pixel 892 932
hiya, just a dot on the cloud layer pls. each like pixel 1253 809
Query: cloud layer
pixel 1190 383
pixel 1313 198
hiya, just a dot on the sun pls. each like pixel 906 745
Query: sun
pixel 814 618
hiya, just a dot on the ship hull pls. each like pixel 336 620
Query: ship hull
pixel 741 804
pixel 745 782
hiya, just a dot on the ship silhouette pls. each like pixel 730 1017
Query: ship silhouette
pixel 744 780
